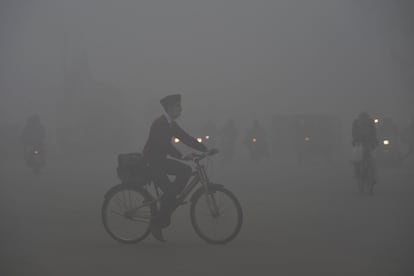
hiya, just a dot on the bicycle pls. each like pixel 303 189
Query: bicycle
pixel 366 172
pixel 35 158
pixel 133 205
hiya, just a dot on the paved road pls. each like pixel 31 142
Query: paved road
pixel 299 220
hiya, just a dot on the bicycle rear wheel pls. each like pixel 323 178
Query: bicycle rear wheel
pixel 126 213
pixel 216 217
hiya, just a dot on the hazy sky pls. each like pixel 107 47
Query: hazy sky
pixel 225 57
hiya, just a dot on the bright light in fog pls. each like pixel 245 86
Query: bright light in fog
pixel 36 152
pixel 200 140
pixel 307 139
pixel 386 142
pixel 254 140
pixel 207 137
pixel 176 140
pixel 376 121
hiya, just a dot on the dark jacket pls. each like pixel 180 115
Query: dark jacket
pixel 159 143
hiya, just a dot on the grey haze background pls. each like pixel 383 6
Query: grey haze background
pixel 225 57
pixel 97 69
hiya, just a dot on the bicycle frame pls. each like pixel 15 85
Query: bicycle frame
pixel 199 175
pixel 137 202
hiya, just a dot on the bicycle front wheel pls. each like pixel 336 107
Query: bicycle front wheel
pixel 126 214
pixel 216 216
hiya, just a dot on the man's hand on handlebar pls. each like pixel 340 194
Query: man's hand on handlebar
pixel 189 156
pixel 193 156
pixel 212 151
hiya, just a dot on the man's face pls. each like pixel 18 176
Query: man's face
pixel 175 111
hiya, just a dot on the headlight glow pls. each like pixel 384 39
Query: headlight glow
pixel 176 140
pixel 386 142
pixel 200 140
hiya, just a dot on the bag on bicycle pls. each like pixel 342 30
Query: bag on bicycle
pixel 132 168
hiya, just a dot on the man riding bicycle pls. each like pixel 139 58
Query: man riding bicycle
pixel 364 133
pixel 157 148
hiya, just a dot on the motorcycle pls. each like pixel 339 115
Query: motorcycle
pixel 257 148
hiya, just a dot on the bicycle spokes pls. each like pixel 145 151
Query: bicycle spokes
pixel 216 216
pixel 127 215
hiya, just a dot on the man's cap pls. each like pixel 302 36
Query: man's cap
pixel 170 100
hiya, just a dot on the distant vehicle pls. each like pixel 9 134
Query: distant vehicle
pixel 208 134
pixel 256 142
pixel 200 138
pixel 33 140
pixel 316 135
pixel 257 148
pixel 35 159
pixel 388 153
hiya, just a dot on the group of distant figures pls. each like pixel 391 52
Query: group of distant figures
pixel 304 136
pixel 311 135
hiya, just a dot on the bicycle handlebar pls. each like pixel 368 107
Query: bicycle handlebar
pixel 198 157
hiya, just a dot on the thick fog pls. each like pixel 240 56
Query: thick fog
pixel 340 56
pixel 95 71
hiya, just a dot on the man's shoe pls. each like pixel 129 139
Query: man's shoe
pixel 161 220
pixel 156 232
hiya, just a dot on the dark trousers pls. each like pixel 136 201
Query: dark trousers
pixel 368 160
pixel 160 170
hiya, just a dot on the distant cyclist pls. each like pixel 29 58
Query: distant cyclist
pixel 256 141
pixel 364 133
